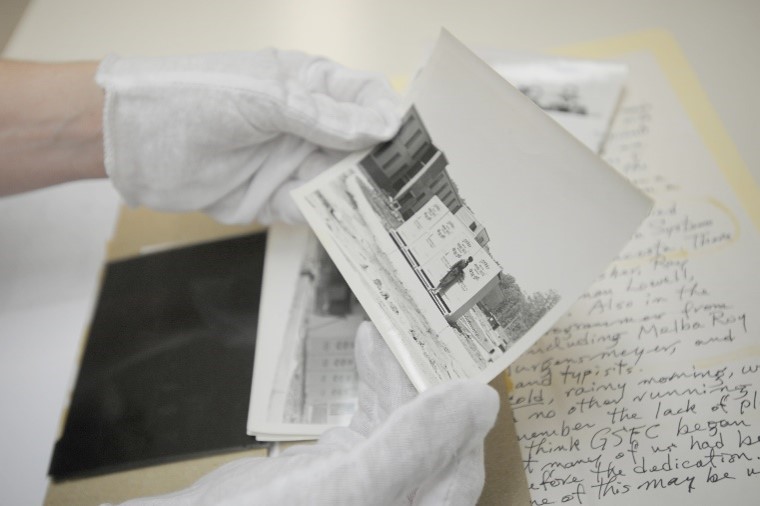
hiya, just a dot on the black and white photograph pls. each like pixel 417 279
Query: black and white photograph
pixel 305 380
pixel 316 383
pixel 403 191
pixel 467 235
pixel 308 382
pixel 404 176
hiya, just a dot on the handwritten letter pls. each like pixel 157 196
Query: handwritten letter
pixel 648 388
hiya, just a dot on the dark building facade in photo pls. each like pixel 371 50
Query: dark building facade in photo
pixel 410 169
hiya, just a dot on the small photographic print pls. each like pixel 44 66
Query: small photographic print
pixel 475 227
pixel 424 255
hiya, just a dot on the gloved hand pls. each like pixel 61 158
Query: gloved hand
pixel 400 448
pixel 230 134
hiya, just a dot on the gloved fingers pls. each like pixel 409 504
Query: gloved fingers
pixel 281 206
pixel 327 77
pixel 283 91
pixel 249 199
pixel 250 482
pixel 459 483
pixel 334 106
pixel 223 483
pixel 383 384
pixel 434 441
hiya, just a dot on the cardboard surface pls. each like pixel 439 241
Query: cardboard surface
pixel 147 481
pixel 140 230
pixel 505 480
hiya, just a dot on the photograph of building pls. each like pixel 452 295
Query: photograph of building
pixel 410 169
pixel 408 238
pixel 441 238
pixel 468 234
pixel 316 381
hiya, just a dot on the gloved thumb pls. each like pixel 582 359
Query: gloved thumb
pixel 433 444
pixel 337 107
pixel 383 384
pixel 281 206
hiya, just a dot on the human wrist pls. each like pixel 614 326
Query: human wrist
pixel 50 124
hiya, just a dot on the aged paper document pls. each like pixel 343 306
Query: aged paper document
pixel 647 389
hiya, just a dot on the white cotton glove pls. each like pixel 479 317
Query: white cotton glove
pixel 230 134
pixel 400 449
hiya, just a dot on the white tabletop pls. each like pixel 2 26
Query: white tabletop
pixel 52 241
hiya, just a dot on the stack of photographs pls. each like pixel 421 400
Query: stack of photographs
pixel 463 238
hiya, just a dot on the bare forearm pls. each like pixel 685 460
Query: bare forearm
pixel 50 124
